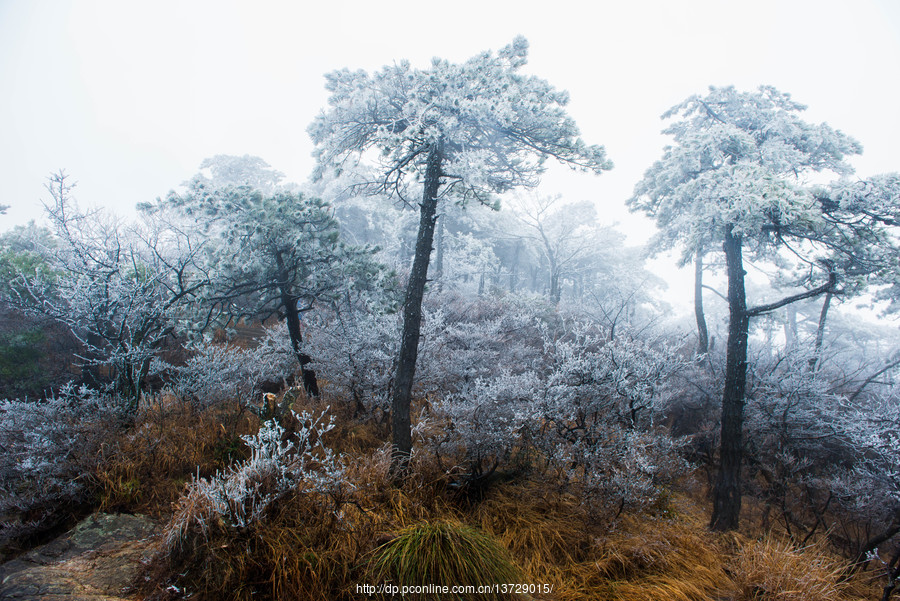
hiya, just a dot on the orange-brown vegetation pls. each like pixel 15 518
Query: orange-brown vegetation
pixel 321 546
pixel 144 469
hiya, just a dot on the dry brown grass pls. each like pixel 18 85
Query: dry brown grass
pixel 646 557
pixel 660 559
pixel 310 545
pixel 317 546
pixel 145 468
pixel 540 528
pixel 773 570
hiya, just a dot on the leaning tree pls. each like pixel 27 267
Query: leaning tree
pixel 736 179
pixel 464 131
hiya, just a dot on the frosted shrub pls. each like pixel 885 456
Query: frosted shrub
pixel 281 462
pixel 220 373
pixel 622 379
pixel 601 400
pixel 487 418
pixel 214 375
pixel 803 459
pixel 870 489
pixel 461 340
pixel 617 468
pixel 49 449
pixel 354 352
pixel 792 423
pixel 588 408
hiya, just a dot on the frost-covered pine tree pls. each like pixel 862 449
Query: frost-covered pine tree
pixel 272 251
pixel 872 207
pixel 736 178
pixel 465 130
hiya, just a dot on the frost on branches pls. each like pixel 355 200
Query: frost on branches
pixel 735 179
pixel 353 351
pixel 497 125
pixel 121 291
pixel 49 452
pixel 600 404
pixel 617 380
pixel 271 251
pixel 586 403
pixel 216 374
pixel 872 488
pixel 466 131
pixel 462 339
pixel 282 461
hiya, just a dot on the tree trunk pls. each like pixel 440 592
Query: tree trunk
pixel 790 329
pixel 439 252
pixel 702 331
pixel 554 283
pixel 514 270
pixel 727 491
pixel 292 316
pixel 893 574
pixel 820 331
pixel 412 317
pixel 128 381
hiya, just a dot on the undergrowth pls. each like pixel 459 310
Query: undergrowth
pixel 315 542
pixel 145 468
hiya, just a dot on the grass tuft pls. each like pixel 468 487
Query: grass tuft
pixel 770 570
pixel 444 553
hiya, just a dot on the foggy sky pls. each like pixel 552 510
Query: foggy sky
pixel 129 98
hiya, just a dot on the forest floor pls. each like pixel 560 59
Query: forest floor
pixel 664 552
pixel 671 558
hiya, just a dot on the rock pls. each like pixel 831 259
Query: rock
pixel 95 561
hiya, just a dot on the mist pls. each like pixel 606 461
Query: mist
pixel 345 301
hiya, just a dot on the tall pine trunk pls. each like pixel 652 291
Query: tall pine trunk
pixel 412 317
pixel 727 491
pixel 439 253
pixel 702 331
pixel 292 316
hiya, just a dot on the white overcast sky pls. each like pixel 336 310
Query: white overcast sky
pixel 129 97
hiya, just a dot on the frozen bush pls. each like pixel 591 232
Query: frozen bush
pixel 869 489
pixel 461 340
pixel 281 462
pixel 216 373
pixel 794 442
pixel 49 452
pixel 600 404
pixel 589 410
pixel 487 418
pixel 354 352
pixel 618 468
pixel 594 378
